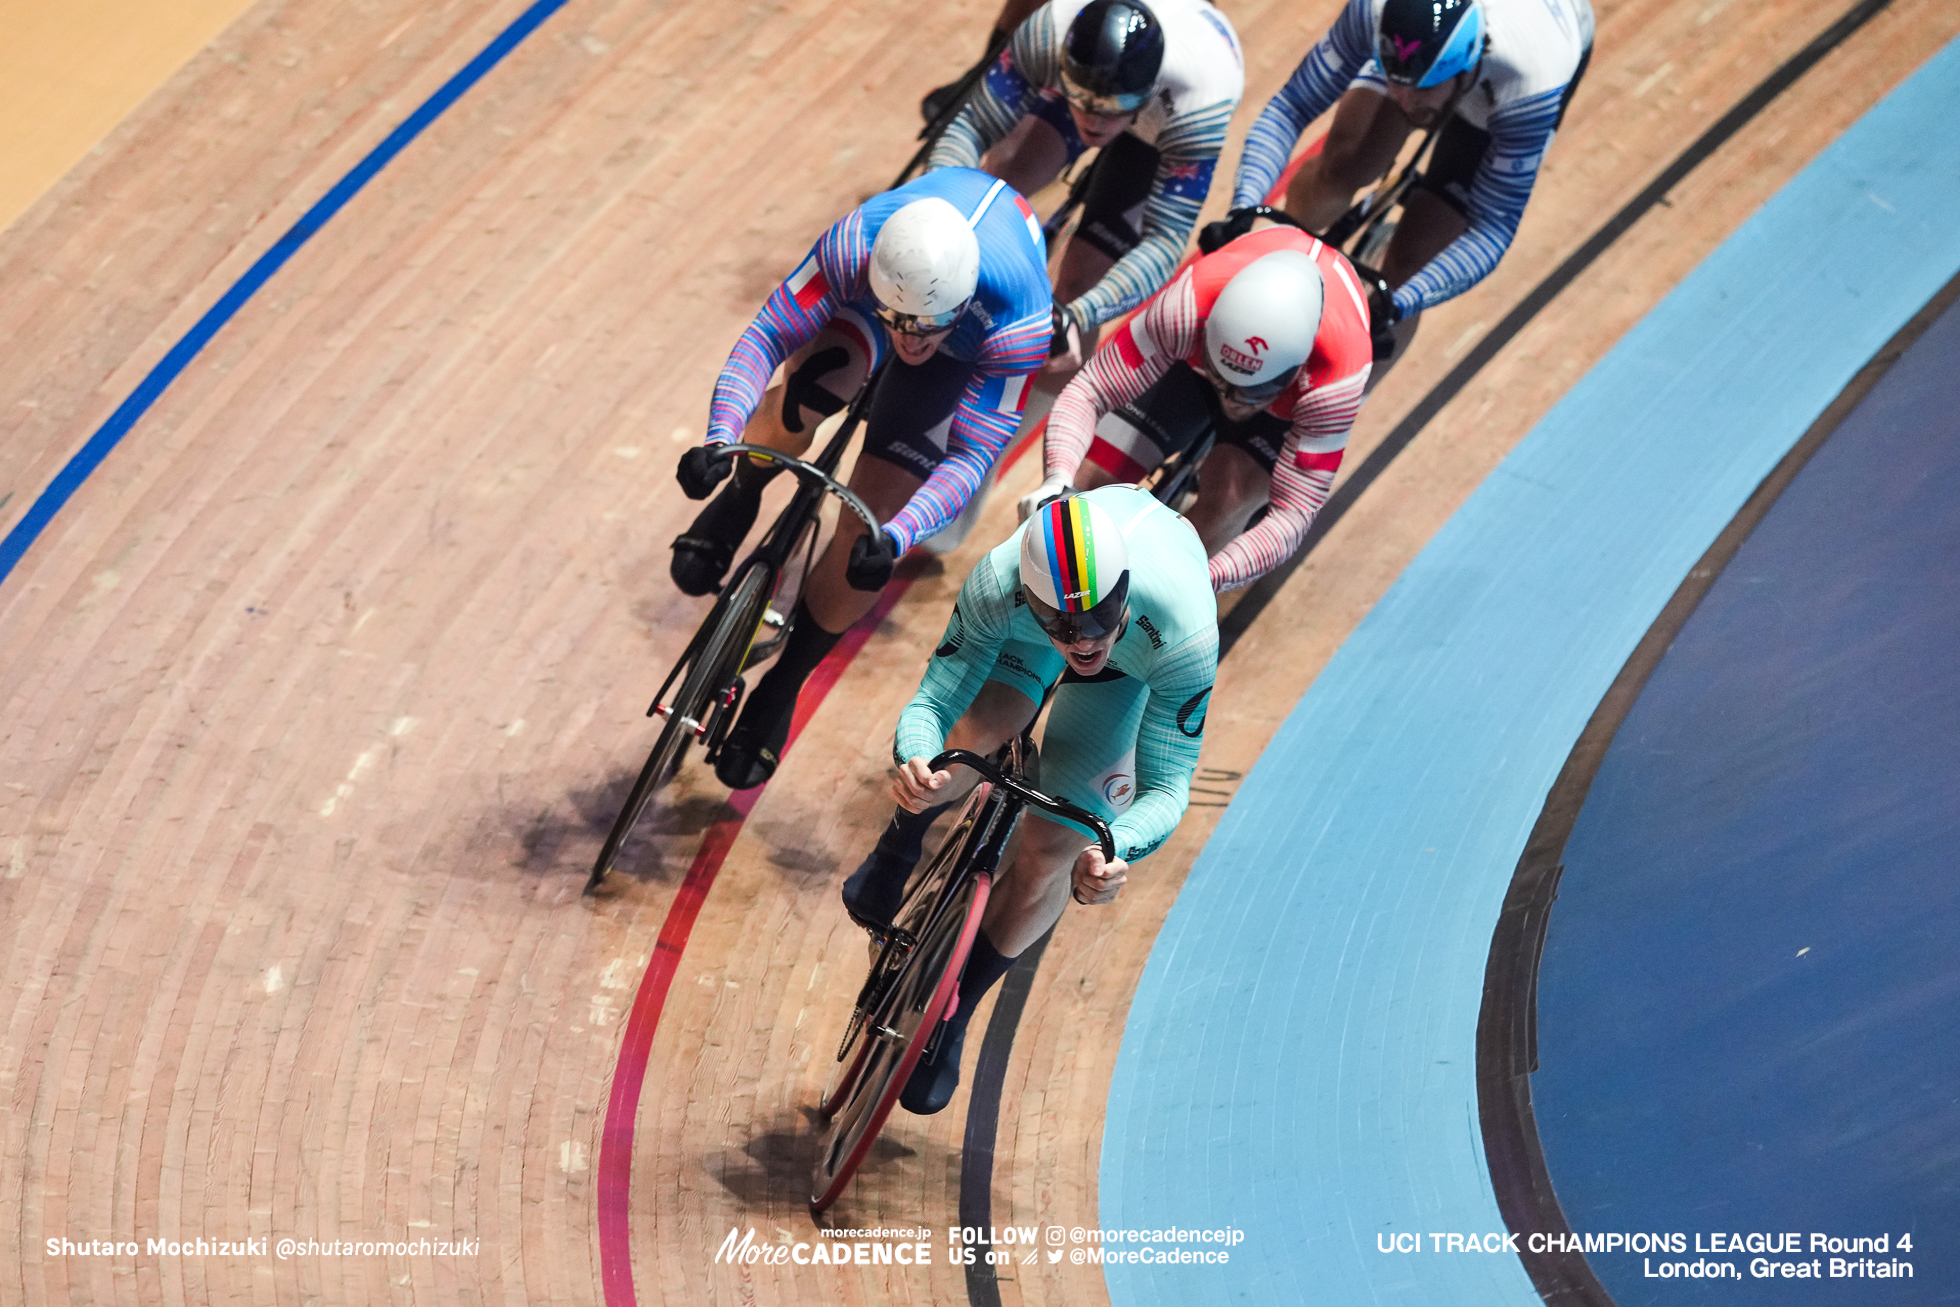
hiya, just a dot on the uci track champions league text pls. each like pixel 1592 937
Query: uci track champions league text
pixel 1704 1255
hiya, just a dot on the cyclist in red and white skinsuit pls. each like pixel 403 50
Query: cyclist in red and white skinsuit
pixel 1266 341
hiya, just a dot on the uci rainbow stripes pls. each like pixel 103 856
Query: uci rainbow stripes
pixel 1072 556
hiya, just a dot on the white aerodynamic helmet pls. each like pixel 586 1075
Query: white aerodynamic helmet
pixel 1262 325
pixel 925 265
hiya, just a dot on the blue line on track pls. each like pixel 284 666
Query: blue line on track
pixel 151 388
pixel 1300 1059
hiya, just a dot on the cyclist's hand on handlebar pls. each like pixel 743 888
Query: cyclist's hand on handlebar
pixel 917 785
pixel 1064 342
pixel 1097 881
pixel 872 559
pixel 1053 488
pixel 1215 236
pixel 702 469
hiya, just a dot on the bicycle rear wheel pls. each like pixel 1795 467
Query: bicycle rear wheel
pixel 731 628
pixel 895 1036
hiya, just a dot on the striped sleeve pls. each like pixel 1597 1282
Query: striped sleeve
pixel 1520 133
pixel 1314 87
pixel 1188 151
pixel 1302 479
pixel 831 274
pixel 1140 352
pixel 1027 64
pixel 988 414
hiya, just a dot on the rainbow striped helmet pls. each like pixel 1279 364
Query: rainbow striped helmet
pixel 1075 570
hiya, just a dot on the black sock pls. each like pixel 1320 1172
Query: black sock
pixel 984 966
pixel 904 835
pixel 808 645
pixel 730 514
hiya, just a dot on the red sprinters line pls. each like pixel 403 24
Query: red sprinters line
pixel 615 1175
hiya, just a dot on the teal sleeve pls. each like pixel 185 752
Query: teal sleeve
pixel 1167 744
pixel 960 664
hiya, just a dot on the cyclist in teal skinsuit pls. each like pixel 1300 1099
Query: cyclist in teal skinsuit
pixel 1108 592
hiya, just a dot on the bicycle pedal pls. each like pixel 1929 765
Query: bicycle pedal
pixel 722 718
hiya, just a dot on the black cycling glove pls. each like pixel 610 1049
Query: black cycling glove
pixel 1059 321
pixel 1382 317
pixel 871 562
pixel 702 469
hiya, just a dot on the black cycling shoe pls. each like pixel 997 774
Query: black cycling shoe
pixel 702 555
pixel 932 1083
pixel 875 891
pixel 936 101
pixel 699 564
pixel 752 751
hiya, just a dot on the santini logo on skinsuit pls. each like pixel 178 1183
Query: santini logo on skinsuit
pixel 1248 361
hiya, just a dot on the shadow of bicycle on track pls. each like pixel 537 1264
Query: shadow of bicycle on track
pixel 565 834
pixel 771 1173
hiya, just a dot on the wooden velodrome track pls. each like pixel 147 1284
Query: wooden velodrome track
pixel 317 696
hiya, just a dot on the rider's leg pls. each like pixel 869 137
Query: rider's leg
pixel 1082 266
pixel 906 430
pixel 1172 415
pixel 1231 487
pixel 826 609
pixel 819 380
pixel 998 714
pixel 1032 154
pixel 1111 226
pixel 1367 133
pixel 1088 758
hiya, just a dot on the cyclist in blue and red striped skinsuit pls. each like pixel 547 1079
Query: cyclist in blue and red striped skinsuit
pixel 949 273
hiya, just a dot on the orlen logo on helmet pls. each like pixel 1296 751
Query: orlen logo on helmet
pixel 1246 361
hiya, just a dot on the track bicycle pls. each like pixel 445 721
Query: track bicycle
pixel 900 1013
pixel 956 99
pixel 743 628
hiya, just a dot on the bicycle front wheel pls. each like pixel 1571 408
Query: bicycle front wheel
pixel 895 1036
pixel 731 628
pixel 914 915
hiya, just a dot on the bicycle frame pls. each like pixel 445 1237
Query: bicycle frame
pixel 779 543
pixel 899 1016
pixel 724 646
pixel 962 92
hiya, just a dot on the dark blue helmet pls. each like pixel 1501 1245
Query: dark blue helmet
pixel 1110 57
pixel 1424 43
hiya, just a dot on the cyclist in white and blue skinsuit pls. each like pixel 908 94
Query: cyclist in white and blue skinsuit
pixel 1109 593
pixel 1154 85
pixel 1502 70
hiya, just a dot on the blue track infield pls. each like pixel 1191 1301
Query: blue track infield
pixel 1745 1005
pixel 1300 1059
